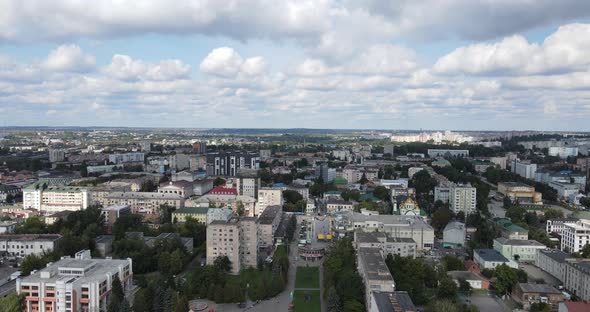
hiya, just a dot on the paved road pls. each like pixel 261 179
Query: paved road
pixel 487 303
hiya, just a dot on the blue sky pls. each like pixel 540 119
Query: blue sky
pixel 455 64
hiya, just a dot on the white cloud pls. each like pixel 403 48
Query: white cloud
pixel 227 63
pixel 565 50
pixel 124 67
pixel 69 58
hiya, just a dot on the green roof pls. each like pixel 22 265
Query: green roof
pixel 191 210
pixel 340 180
pixel 39 185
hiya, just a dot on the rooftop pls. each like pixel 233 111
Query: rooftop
pixel 519 242
pixel 466 275
pixel 190 210
pixel 514 184
pixel 93 270
pixel 556 255
pixel 455 225
pixel 538 288
pixel 398 301
pixel 269 214
pixel 30 237
pixel 490 255
pixel 144 195
pixel 374 265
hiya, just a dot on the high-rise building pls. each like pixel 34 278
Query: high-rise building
pixel 526 170
pixel 51 199
pixel 247 184
pixel 80 284
pixel 56 155
pixel 236 238
pixel 575 236
pixel 268 197
pixel 322 170
pixel 199 148
pixel 463 198
pixel 229 164
pixel 388 149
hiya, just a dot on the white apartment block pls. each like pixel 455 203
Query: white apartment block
pixel 463 198
pixel 374 271
pixel 565 189
pixel 268 197
pixel 268 223
pixel 56 155
pixel 563 152
pixel 524 169
pixel 557 226
pixel 69 285
pixel 22 245
pixel 126 158
pixel 575 236
pixel 404 247
pixel 144 202
pixel 249 241
pixel 247 186
pixel 52 199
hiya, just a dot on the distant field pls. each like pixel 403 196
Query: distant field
pixel 313 305
pixel 307 277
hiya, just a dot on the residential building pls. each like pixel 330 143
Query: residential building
pixel 268 197
pixel 510 230
pixel 557 226
pixel 202 186
pixel 198 214
pixel 528 293
pixel 499 161
pixel 51 199
pixel 563 152
pixel 518 249
pixel 433 153
pixel 7 227
pixel 219 214
pixel 565 189
pixel 268 223
pixel 525 170
pixel 553 261
pixel 145 146
pixel 145 202
pixel 454 234
pixel 443 193
pixel 230 201
pixel 111 213
pixel 402 246
pixel 104 245
pixel 521 192
pixel 236 238
pixel 198 163
pixel 490 259
pixel 413 170
pixel 80 284
pixel 463 198
pixel 334 205
pixel 578 279
pixel 326 173
pixel 22 245
pixel 388 149
pixel 376 275
pixel 96 170
pixel 265 154
pixel 249 241
pixel 247 184
pixel 228 164
pixel 6 190
pixel 475 280
pixel 127 158
pixel 199 148
pixel 575 236
pixel 57 155
pixel 398 301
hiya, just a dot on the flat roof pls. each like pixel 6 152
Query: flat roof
pixel 95 270
pixel 556 254
pixel 398 301
pixel 466 275
pixel 374 265
pixel 30 237
pixel 191 210
pixel 519 242
pixel 490 255
pixel 269 214
pixel 538 288
pixel 514 184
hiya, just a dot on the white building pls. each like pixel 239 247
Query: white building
pixel 247 185
pixel 463 198
pixel 7 227
pixel 454 234
pixel 126 158
pixel 52 199
pixel 265 154
pixel 374 271
pixel 22 245
pixel 558 225
pixel 518 249
pixel 490 259
pixel 413 170
pixel 525 170
pixel 402 246
pixel 563 152
pixel 432 153
pixel 81 284
pixel 575 236
pixel 565 189
pixel 268 197
pixel 57 155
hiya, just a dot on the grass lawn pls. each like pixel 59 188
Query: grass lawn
pixel 313 305
pixel 307 277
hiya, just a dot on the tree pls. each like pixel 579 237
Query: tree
pixel 507 202
pixel 32 262
pixel 176 261
pixel 223 264
pixel 464 286
pixel 148 186
pixel 181 304
pixel 423 182
pixel 452 263
pixel 142 302
pixel 351 195
pixel 240 208
pixel 334 303
pixel 585 252
pixel 117 297
pixel 442 306
pixel 218 181
pixel 441 218
pixel 382 193
pixel 552 214
pixel 164 262
pixel 353 306
pixel 506 277
pixel 447 289
pixel 540 307
pixel 291 197
pixel 363 179
pixel 13 303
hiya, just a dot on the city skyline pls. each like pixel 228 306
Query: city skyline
pixel 316 65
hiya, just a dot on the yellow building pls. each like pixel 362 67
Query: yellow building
pixel 521 192
pixel 199 214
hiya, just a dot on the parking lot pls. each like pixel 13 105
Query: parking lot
pixel 488 303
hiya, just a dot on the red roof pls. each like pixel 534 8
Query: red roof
pixel 578 306
pixel 220 190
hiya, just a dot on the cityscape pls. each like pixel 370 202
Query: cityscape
pixel 294 156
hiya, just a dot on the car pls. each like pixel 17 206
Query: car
pixel 241 305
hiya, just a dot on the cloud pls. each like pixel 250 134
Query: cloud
pixel 124 67
pixel 227 63
pixel 69 58
pixel 565 50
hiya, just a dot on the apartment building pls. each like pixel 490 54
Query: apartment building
pixel 268 197
pixel 22 245
pixel 404 247
pixel 236 238
pixel 463 198
pixel 525 170
pixel 268 223
pixel 563 152
pixel 57 155
pixel 335 205
pixel 573 273
pixel 79 284
pixel 374 271
pixel 196 213
pixel 553 261
pixel 145 202
pixel 433 153
pixel 114 212
pixel 51 199
pixel 575 236
pixel 126 158
pixel 229 164
pixel 182 188
pixel 247 184
pixel 557 226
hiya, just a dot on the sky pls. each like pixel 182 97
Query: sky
pixel 406 64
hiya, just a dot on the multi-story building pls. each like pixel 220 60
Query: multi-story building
pixel 376 275
pixel 463 198
pixel 528 293
pixel 219 214
pixel 236 238
pixel 335 205
pixel 268 197
pixel 322 170
pixel 578 279
pixel 197 162
pixel 182 188
pixel 80 284
pixel 388 149
pixel 416 228
pixel 56 155
pixel 199 148
pixel 490 259
pixel 7 227
pixel 553 261
pixel 499 161
pixel 402 246
pixel 525 170
pixel 433 153
pixel 398 301
pixel 127 158
pixel 521 192
pixel 229 164
pixel 565 189
pixel 265 154
pixel 563 152
pixel 247 184
pixel 111 213
pixel 557 226
pixel 145 202
pixel 268 223
pixel 198 214
pixel 22 245
pixel 575 236
pixel 52 199
pixel 454 234
pixel 518 249
pixel 413 170
pixel 510 230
